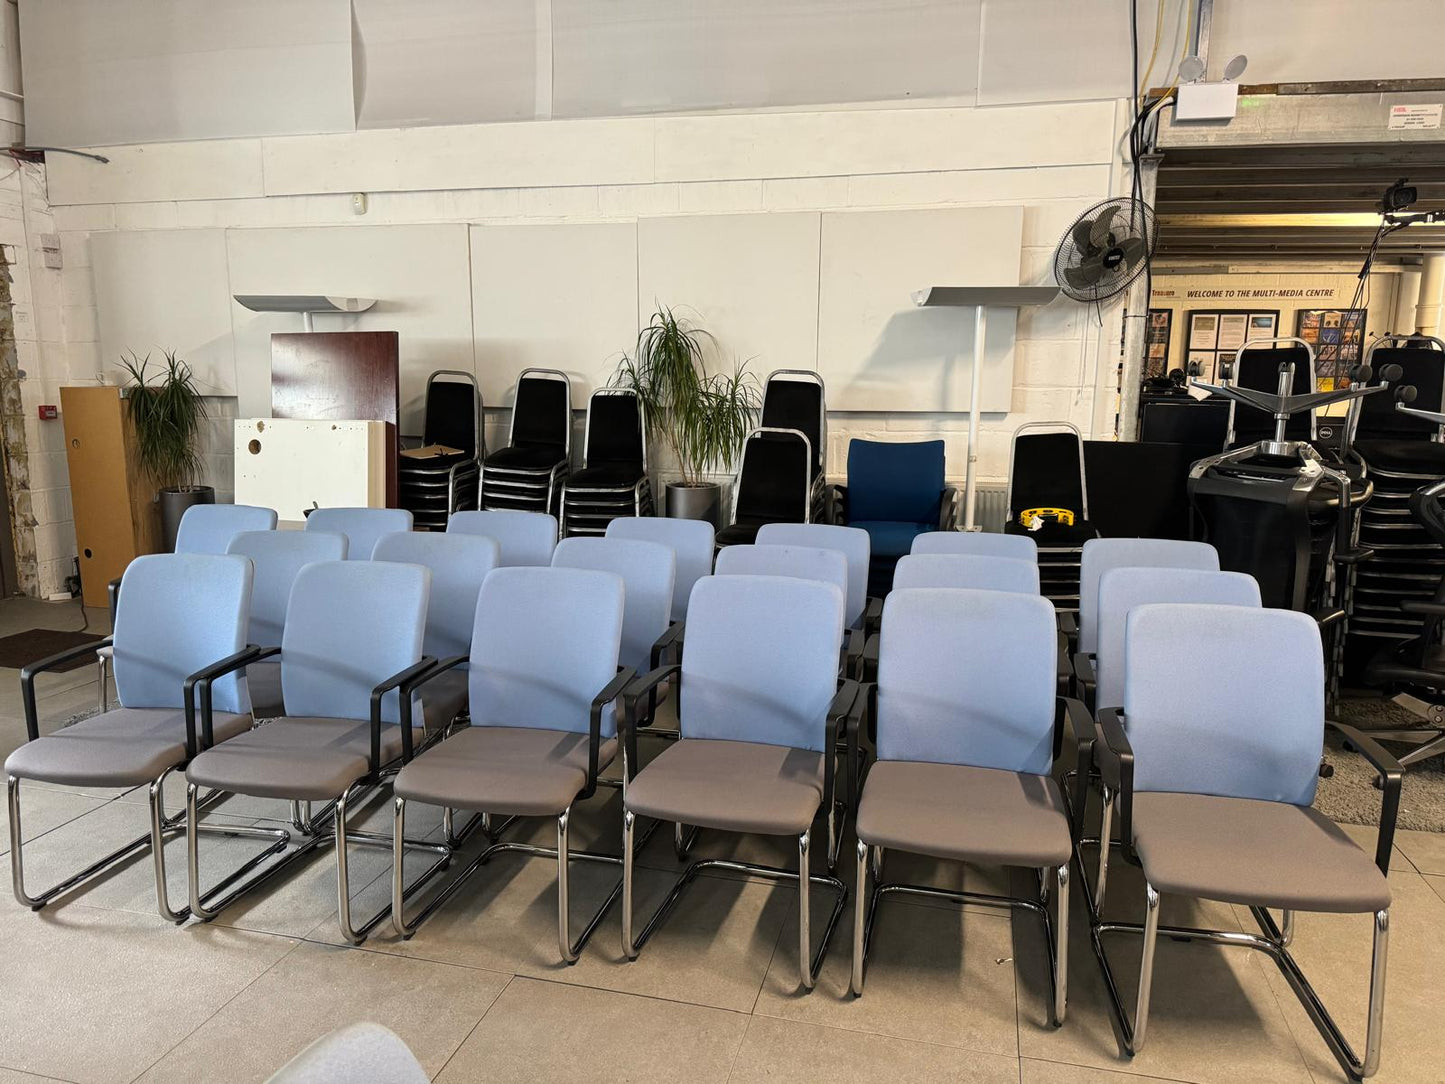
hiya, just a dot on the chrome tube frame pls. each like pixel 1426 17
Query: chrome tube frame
pixel 1056 930
pixel 161 826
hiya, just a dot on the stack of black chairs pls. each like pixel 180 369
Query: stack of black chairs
pixel 796 399
pixel 528 474
pixel 613 480
pixel 1046 470
pixel 431 489
pixel 1402 455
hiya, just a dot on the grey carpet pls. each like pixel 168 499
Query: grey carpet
pixel 1350 795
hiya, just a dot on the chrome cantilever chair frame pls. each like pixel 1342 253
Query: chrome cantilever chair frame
pixel 161 827
pixel 208 904
pixel 843 709
pixel 568 947
pixel 1274 937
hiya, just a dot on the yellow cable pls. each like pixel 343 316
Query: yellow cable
pixel 1153 53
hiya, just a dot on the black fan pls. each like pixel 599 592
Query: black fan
pixel 1105 249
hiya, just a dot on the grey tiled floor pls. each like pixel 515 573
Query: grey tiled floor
pixel 97 988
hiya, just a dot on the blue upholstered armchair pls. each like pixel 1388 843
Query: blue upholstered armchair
pixel 895 492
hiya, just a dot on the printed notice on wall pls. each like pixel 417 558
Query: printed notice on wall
pixel 1416 116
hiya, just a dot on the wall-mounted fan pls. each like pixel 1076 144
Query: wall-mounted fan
pixel 1105 249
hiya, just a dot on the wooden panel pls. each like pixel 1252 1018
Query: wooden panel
pixel 338 376
pixel 292 465
pixel 115 512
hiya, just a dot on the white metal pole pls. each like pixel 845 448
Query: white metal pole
pixel 970 481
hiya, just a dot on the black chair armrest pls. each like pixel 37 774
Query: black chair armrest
pixel 948 509
pixel 1073 717
pixel 669 641
pixel 870 657
pixel 1391 774
pixel 1084 675
pixel 640 687
pixel 872 615
pixel 398 679
pixel 613 690
pixel 202 679
pixel 839 722
pixel 407 688
pixel 1069 625
pixel 1073 714
pixel 853 643
pixel 1114 757
pixel 112 595
pixel 29 673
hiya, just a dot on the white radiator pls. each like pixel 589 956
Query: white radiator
pixel 990 507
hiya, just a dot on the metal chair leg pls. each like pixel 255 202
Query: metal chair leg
pixel 343 874
pixel 805 933
pixel 860 918
pixel 1061 943
pixel 1376 1025
pixel 629 825
pixel 564 920
pixel 1146 965
pixel 1106 830
pixel 158 852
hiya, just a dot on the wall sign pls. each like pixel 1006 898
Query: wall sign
pixel 1337 336
pixel 1156 338
pixel 1415 116
pixel 1215 336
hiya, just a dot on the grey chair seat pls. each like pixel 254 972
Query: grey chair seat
pixel 264 681
pixel 124 747
pixel 308 759
pixel 736 786
pixel 443 698
pixel 1246 851
pixel 513 771
pixel 958 812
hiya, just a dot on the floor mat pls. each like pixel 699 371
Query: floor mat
pixel 23 648
pixel 1349 795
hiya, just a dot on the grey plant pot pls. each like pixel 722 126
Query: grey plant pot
pixel 695 502
pixel 174 502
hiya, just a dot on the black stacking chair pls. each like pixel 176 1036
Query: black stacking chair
pixel 773 485
pixel 1257 367
pixel 527 475
pixel 1046 470
pixel 796 399
pixel 435 487
pixel 613 479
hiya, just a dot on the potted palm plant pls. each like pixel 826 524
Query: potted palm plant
pixel 166 414
pixel 701 418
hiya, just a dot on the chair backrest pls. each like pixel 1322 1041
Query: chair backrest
pixel 361 526
pixel 795 399
pixel 895 482
pixel 209 528
pixel 459 563
pixel 276 557
pixel 1102 554
pixel 525 538
pixel 453 411
pixel 1422 367
pixel 851 542
pixel 1258 733
pixel 774 484
pixel 178 612
pixel 616 430
pixel 351 625
pixel 761 663
pixel 966 571
pixel 691 542
pixel 799 562
pixel 1200 422
pixel 1122 589
pixel 977 544
pixel 554 651
pixel 1046 470
pixel 967 677
pixel 647 570
pixel 1258 368
pixel 542 410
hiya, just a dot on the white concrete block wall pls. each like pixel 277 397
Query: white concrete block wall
pixel 1053 160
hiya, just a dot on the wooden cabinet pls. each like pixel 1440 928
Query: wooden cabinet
pixel 114 499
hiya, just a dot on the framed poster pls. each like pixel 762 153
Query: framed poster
pixel 1337 336
pixel 1156 341
pixel 1216 335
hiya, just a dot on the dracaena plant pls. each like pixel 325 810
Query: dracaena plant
pixel 166 412
pixel 702 418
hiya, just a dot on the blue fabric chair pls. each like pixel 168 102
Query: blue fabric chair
pixel 851 542
pixel 209 528
pixel 647 570
pixel 955 570
pixel 691 542
pixel 1212 771
pixel 543 686
pixel 1102 554
pixel 895 492
pixel 276 557
pixel 525 538
pixel 966 739
pixel 361 526
pixel 178 615
pixel 760 714
pixel 977 544
pixel 350 653
pixel 459 563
